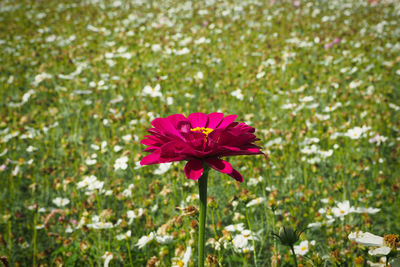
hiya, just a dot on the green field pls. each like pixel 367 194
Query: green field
pixel 80 82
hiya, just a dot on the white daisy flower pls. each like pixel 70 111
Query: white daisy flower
pixel 303 247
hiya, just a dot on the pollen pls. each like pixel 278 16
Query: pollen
pixel 203 130
pixel 391 240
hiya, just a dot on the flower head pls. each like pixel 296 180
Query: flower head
pixel 108 256
pixel 303 247
pixel 342 209
pixel 199 139
pixel 288 236
pixel 383 245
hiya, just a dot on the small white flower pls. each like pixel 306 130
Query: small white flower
pixel 238 94
pixel 121 163
pixel 61 202
pixel 128 192
pixel 255 202
pixel 199 75
pixel 133 215
pixel 235 227
pixel 355 84
pixel 276 141
pixel 156 47
pixel 94 147
pixel 162 168
pixel 127 138
pixel 124 236
pixel 333 107
pixel 117 148
pixel 31 149
pixel 371 240
pixel 176 262
pixel 314 225
pixel 356 132
pixel 242 242
pixel 326 154
pixel 313 149
pixel 379 251
pixel 108 256
pixel 169 100
pixel 306 99
pixel 15 171
pixel 144 240
pixel 260 75
pixel 164 239
pixel 366 210
pixel 152 92
pixel 366 239
pixel 288 106
pixel 100 225
pixel 39 226
pixel 183 51
pixel 254 181
pixel 69 229
pixel 90 183
pixel 90 161
pixel 378 139
pixel 303 247
pixel 342 209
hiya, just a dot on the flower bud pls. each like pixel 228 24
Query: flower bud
pixel 288 236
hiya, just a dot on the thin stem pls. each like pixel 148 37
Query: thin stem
pixel 252 237
pixel 34 239
pixel 129 252
pixel 203 211
pixel 294 256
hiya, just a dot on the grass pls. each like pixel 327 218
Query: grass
pixel 87 63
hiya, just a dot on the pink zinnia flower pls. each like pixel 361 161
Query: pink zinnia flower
pixel 198 139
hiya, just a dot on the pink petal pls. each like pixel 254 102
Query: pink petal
pixel 151 159
pixel 214 119
pixel 198 119
pixel 166 127
pixel 227 121
pixel 180 122
pixel 236 175
pixel 194 169
pixel 219 165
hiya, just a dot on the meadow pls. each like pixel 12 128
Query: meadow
pixel 81 81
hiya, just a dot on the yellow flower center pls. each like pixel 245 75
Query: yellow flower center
pixel 203 130
pixel 392 240
pixel 342 211
pixel 303 248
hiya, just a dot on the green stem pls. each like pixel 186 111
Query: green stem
pixel 34 239
pixel 252 237
pixel 294 256
pixel 203 211
pixel 129 252
pixel 9 239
